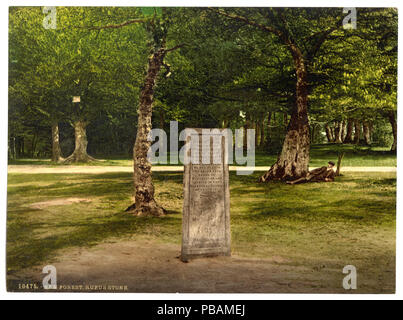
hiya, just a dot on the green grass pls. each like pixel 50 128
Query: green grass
pixel 355 156
pixel 350 221
pixel 100 162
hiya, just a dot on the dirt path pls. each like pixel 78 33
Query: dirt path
pixel 110 169
pixel 147 266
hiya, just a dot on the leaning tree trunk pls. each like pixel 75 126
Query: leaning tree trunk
pixel 366 132
pixel 357 132
pixel 349 134
pixel 56 150
pixel 393 123
pixel 80 152
pixel 293 162
pixel 145 204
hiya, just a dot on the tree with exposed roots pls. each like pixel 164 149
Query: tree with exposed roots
pixel 103 79
pixel 35 74
pixel 80 142
pixel 156 25
pixel 303 44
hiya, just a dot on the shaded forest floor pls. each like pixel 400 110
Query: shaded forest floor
pixel 284 238
pixel 355 156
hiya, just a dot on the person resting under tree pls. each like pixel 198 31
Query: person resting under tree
pixel 324 174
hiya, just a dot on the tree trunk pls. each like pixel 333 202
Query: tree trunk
pixel 145 204
pixel 162 127
pixel 329 133
pixel 371 130
pixel 285 120
pixel 56 151
pixel 366 132
pixel 393 123
pixel 20 148
pixel 256 126
pixel 339 161
pixel 343 130
pixel 23 147
pixel 357 132
pixel 332 129
pixel 269 118
pixel 338 131
pixel 12 148
pixel 80 152
pixel 33 145
pixel 293 162
pixel 262 133
pixel 17 147
pixel 313 132
pixel 349 133
pixel 245 132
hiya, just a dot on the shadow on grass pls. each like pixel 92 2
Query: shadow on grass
pixel 77 184
pixel 25 224
pixel 89 233
pixel 34 236
pixel 355 198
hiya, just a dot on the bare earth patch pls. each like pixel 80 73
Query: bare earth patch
pixel 57 202
pixel 147 266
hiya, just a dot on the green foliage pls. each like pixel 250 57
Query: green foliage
pixel 358 71
pixel 224 69
pixel 48 67
pixel 150 11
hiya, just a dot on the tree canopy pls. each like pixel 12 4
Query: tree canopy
pixel 235 68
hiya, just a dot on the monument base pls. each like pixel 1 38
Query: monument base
pixel 186 256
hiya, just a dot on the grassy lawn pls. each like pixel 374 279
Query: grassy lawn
pixel 351 221
pixel 355 156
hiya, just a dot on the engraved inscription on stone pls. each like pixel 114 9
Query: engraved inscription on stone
pixel 206 220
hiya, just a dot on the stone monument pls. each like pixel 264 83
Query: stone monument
pixel 206 211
